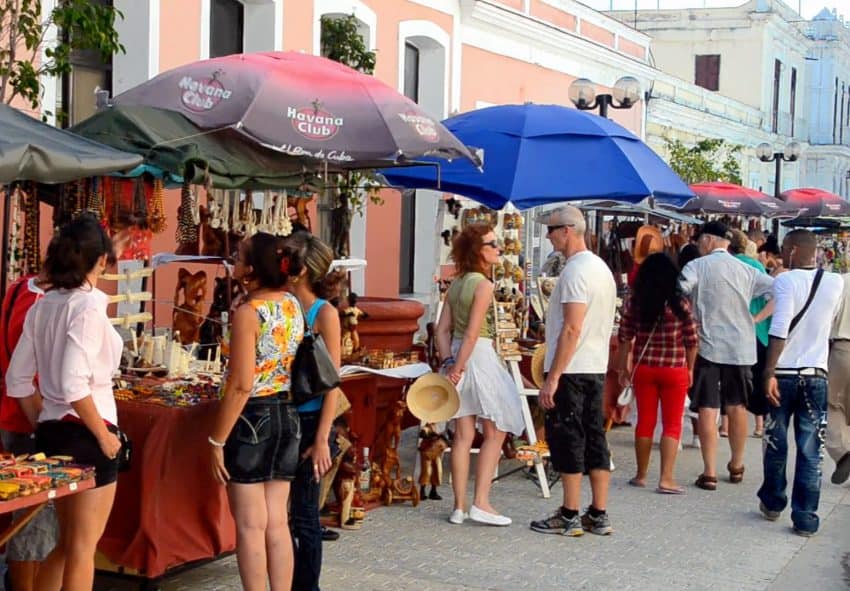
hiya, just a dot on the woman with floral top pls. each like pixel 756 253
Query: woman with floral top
pixel 658 320
pixel 256 433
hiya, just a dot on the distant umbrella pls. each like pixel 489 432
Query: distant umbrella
pixel 816 203
pixel 733 199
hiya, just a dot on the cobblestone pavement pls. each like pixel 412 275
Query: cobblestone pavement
pixel 701 540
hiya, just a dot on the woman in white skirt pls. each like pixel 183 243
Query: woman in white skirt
pixel 487 392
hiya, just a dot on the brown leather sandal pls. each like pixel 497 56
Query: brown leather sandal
pixel 706 482
pixel 736 475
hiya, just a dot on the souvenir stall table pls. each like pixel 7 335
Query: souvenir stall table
pixel 28 483
pixel 168 509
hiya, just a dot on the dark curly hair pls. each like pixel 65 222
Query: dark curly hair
pixel 74 251
pixel 466 249
pixel 656 287
pixel 316 256
pixel 264 253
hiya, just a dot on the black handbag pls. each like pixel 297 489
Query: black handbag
pixel 126 452
pixel 313 371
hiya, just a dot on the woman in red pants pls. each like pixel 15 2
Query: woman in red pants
pixel 658 328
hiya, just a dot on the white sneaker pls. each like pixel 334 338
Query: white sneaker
pixel 695 442
pixel 481 516
pixel 458 517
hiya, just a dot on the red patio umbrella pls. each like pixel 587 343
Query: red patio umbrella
pixel 732 199
pixel 301 105
pixel 814 203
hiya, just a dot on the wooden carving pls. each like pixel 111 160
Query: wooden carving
pixel 395 487
pixel 188 313
pixel 431 451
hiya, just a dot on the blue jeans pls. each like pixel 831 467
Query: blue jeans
pixel 304 513
pixel 805 399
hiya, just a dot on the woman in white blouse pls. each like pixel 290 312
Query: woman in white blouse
pixel 70 345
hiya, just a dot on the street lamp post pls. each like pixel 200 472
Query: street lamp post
pixel 624 95
pixel 765 153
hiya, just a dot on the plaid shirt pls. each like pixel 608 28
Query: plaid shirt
pixel 667 346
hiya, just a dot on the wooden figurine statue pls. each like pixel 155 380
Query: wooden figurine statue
pixel 213 325
pixel 350 319
pixel 188 314
pixel 431 450
pixel 395 486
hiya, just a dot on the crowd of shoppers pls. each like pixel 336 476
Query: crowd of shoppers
pixel 713 327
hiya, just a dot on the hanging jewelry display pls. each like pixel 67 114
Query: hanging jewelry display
pixel 283 225
pixel 139 215
pixel 31 255
pixel 187 231
pixel 156 215
pixel 15 254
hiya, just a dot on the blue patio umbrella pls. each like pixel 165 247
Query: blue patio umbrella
pixel 539 154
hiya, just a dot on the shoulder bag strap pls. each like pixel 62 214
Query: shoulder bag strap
pixel 815 283
pixel 643 351
pixel 310 318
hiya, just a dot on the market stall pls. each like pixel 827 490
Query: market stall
pixel 243 169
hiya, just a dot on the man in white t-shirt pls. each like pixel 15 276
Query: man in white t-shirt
pixel 795 377
pixel 579 324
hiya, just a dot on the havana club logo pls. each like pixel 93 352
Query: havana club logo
pixel 203 94
pixel 314 123
pixel 424 126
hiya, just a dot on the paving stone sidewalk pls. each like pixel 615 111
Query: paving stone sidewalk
pixel 701 540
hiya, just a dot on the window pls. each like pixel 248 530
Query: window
pixel 777 78
pixel 227 25
pixel 411 72
pixel 407 246
pixel 841 125
pixel 88 73
pixel 835 114
pixel 407 258
pixel 707 71
pixel 793 97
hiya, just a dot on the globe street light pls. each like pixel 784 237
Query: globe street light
pixel 791 153
pixel 624 95
pixel 765 153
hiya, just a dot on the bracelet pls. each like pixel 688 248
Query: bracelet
pixel 447 361
pixel 214 443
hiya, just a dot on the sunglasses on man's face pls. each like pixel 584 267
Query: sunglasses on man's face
pixel 550 229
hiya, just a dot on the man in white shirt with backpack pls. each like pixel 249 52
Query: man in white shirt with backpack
pixel 795 374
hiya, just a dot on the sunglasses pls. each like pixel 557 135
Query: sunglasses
pixel 492 244
pixel 550 229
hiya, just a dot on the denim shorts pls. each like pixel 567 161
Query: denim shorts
pixel 263 444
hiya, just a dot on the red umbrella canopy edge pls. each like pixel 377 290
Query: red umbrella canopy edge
pixel 817 202
pixel 301 105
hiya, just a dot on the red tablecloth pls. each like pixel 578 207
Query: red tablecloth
pixel 168 509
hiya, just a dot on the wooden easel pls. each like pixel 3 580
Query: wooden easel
pixel 542 481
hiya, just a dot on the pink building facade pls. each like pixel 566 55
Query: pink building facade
pixel 449 55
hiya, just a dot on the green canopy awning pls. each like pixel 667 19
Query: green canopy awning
pixel 34 151
pixel 172 143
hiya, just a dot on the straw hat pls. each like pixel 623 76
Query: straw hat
pixel 648 241
pixel 433 398
pixel 537 365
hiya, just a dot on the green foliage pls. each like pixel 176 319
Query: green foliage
pixel 706 161
pixel 82 25
pixel 342 42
